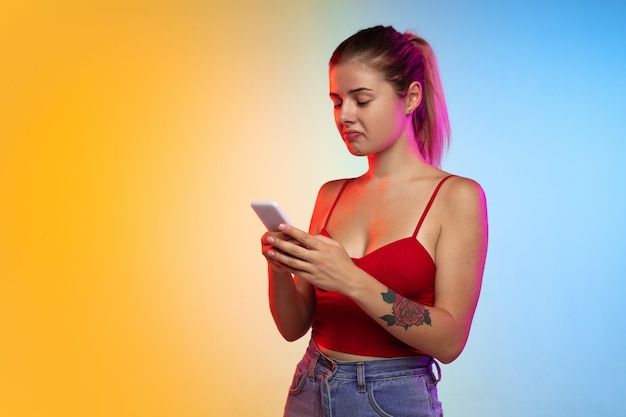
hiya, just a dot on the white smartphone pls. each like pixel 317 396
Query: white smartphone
pixel 270 213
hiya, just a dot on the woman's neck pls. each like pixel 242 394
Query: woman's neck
pixel 402 159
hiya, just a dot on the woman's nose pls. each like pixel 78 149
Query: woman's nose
pixel 346 113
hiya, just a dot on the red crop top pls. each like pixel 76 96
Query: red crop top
pixel 404 266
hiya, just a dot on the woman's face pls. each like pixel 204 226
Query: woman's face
pixel 368 113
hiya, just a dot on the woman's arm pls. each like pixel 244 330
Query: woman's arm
pixel 291 298
pixel 459 256
pixel 292 303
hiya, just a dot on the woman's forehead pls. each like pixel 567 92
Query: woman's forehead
pixel 353 75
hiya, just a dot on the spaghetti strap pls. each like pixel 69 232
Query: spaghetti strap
pixel 430 203
pixel 343 187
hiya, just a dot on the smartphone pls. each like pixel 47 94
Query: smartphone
pixel 270 213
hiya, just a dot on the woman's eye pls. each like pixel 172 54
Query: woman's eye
pixel 362 103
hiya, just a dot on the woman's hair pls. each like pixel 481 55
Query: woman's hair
pixel 402 59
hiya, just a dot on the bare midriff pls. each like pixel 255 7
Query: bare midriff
pixel 346 357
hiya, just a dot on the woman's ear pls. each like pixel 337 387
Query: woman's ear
pixel 413 97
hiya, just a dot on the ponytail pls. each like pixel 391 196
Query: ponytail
pixel 430 121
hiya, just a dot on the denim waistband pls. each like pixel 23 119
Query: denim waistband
pixel 370 369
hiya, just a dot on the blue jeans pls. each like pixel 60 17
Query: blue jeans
pixel 323 387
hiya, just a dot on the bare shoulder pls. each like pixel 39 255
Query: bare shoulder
pixel 464 199
pixel 325 198
pixel 330 189
pixel 460 189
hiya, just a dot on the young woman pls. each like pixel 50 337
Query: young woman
pixel 389 274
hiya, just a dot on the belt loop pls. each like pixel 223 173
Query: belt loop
pixel 312 367
pixel 360 376
pixel 432 360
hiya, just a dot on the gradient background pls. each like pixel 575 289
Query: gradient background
pixel 133 136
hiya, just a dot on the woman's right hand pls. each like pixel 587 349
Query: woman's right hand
pixel 267 248
pixel 292 301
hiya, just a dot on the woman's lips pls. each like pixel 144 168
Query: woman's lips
pixel 350 134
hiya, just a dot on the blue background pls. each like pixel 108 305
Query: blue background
pixel 535 93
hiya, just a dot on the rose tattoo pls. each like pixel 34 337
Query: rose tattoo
pixel 405 312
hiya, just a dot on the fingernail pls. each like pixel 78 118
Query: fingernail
pixel 271 239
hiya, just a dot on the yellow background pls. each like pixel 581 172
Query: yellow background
pixel 132 138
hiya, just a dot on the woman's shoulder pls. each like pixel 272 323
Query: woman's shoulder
pixel 462 194
pixel 327 194
pixel 332 187
pixel 463 188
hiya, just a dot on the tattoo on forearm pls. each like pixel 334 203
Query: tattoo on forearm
pixel 405 313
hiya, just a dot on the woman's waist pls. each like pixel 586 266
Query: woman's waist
pixel 345 356
pixel 372 366
pixel 360 343
pixel 348 357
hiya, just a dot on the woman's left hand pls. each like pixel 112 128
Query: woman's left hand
pixel 318 259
